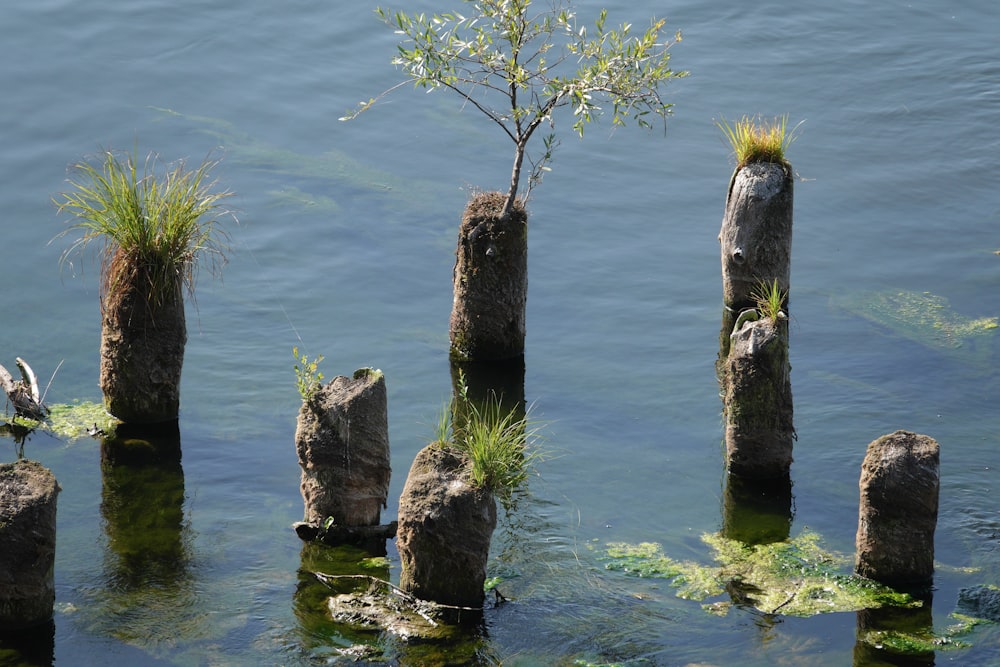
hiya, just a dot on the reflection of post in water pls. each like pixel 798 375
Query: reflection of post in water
pixel 757 511
pixel 142 503
pixel 484 381
pixel 874 625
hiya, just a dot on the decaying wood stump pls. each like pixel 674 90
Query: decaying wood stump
pixel 757 398
pixel 342 439
pixel 490 281
pixel 23 394
pixel 445 530
pixel 142 353
pixel 900 482
pixel 756 235
pixel 28 494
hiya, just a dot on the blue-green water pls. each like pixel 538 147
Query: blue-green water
pixel 345 248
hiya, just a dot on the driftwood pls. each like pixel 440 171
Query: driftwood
pixel 23 394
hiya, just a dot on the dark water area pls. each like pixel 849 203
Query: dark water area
pixel 345 247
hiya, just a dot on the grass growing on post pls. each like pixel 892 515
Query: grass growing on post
pixel 756 140
pixel 769 299
pixel 154 222
pixel 497 443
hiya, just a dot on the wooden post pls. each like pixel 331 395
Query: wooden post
pixel 490 281
pixel 342 440
pixel 900 482
pixel 757 401
pixel 28 494
pixel 445 529
pixel 756 235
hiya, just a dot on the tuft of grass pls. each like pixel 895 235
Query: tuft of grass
pixel 154 222
pixel 754 139
pixel 308 378
pixel 769 299
pixel 498 444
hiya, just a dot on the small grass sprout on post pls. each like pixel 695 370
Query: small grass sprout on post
pixel 308 378
pixel 754 139
pixel 155 224
pixel 769 300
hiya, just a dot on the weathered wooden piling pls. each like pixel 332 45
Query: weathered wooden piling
pixel 757 400
pixel 342 440
pixel 900 482
pixel 756 235
pixel 445 529
pixel 142 353
pixel 490 281
pixel 28 494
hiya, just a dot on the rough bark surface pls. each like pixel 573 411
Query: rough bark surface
pixel 342 440
pixel 445 529
pixel 490 281
pixel 28 493
pixel 900 482
pixel 756 236
pixel 757 396
pixel 142 354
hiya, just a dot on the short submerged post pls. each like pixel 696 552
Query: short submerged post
pixel 342 439
pixel 897 517
pixel 445 528
pixel 28 493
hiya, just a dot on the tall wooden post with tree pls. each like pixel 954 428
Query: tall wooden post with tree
pixel 517 64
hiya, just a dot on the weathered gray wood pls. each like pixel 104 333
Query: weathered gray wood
pixel 28 493
pixel 757 400
pixel 756 235
pixel 445 529
pixel 342 440
pixel 897 515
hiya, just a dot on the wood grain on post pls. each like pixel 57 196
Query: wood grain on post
pixel 28 493
pixel 342 440
pixel 900 482
pixel 756 235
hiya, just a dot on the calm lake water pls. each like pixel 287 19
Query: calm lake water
pixel 345 247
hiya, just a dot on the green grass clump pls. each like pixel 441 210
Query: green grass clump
pixel 769 299
pixel 153 222
pixel 497 443
pixel 754 139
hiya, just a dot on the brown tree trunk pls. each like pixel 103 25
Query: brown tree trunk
pixel 342 440
pixel 28 493
pixel 445 530
pixel 490 281
pixel 142 353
